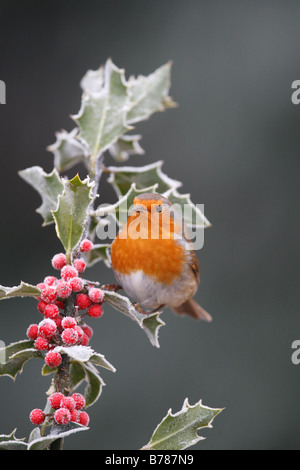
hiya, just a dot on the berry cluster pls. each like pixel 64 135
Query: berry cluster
pixel 63 302
pixel 65 409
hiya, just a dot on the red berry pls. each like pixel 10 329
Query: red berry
pixel 84 341
pixel 87 330
pixel 95 311
pixel 79 264
pixel 96 295
pixel 57 321
pixel 41 344
pixel 41 306
pixel 47 328
pixel 68 272
pixel 41 285
pixel 62 416
pixel 51 311
pixel 79 400
pixel 59 261
pixel 37 416
pixel 76 284
pixel 68 402
pixel 83 418
pixel 32 331
pixel 49 294
pixel 83 301
pixel 79 331
pixel 55 400
pixel 75 416
pixel 68 322
pixel 53 359
pixel 69 336
pixel 50 280
pixel 86 245
pixel 63 289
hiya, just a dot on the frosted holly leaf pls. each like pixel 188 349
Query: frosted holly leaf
pixel 68 150
pixel 122 178
pixel 121 208
pixel 15 355
pixel 178 431
pixel 125 146
pixel 23 290
pixel 49 186
pixel 71 213
pixel 149 323
pixel 192 214
pixel 10 442
pixel 149 94
pixel 57 432
pixel 94 385
pixel 102 116
pixel 93 81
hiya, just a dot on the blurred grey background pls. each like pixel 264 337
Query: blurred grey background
pixel 234 142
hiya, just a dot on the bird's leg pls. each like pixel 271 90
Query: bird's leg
pixel 145 312
pixel 113 287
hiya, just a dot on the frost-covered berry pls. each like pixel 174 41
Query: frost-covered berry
pixel 55 399
pixel 86 245
pixel 53 359
pixel 96 295
pixel 83 301
pixel 59 261
pixel 68 402
pixel 68 272
pixel 60 304
pixel 41 306
pixel 95 311
pixel 63 289
pixel 83 418
pixel 87 330
pixel 79 331
pixel 79 264
pixel 79 400
pixel 32 331
pixel 49 294
pixel 50 280
pixel 37 416
pixel 75 416
pixel 84 340
pixel 68 322
pixel 77 284
pixel 69 336
pixel 62 416
pixel 41 344
pixel 47 328
pixel 51 311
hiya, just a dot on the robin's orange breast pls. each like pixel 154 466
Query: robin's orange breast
pixel 160 258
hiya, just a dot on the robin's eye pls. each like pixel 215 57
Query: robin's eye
pixel 158 209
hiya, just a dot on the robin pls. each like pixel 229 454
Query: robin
pixel 154 261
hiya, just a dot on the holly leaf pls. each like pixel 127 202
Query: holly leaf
pixel 14 356
pixel 193 214
pixel 122 178
pixel 149 94
pixel 71 213
pixel 10 442
pixel 179 430
pixel 102 117
pixel 57 432
pixel 77 352
pixel 149 323
pixel 100 360
pixel 68 150
pixel 94 384
pixel 49 186
pixel 98 253
pixel 23 290
pixel 125 146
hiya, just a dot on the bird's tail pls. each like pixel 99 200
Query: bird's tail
pixel 191 308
